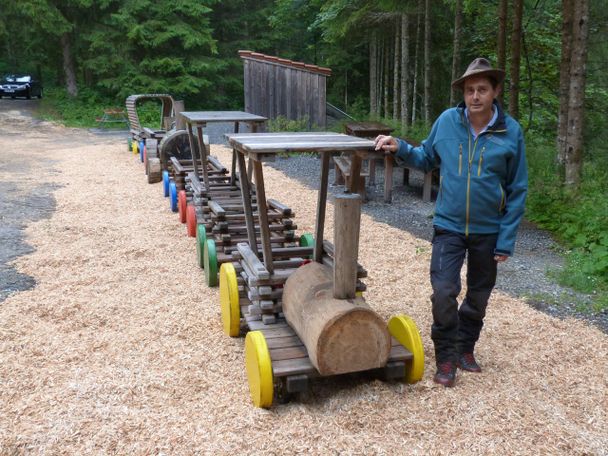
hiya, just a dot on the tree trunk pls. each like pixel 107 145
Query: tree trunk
pixel 564 80
pixel 405 64
pixel 454 93
pixel 387 52
pixel 396 62
pixel 502 40
pixel 346 90
pixel 416 60
pixel 373 72
pixel 502 35
pixel 68 66
pixel 515 58
pixel 427 61
pixel 380 75
pixel 576 113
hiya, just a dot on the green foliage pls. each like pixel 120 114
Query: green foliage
pixel 282 123
pixel 578 219
pixel 73 112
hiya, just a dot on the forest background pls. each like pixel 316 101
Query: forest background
pixel 391 61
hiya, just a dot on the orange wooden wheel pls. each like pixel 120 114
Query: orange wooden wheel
pixel 181 205
pixel 191 220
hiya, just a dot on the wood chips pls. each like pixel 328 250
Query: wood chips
pixel 119 348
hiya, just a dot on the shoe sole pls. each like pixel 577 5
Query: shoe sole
pixel 448 384
pixel 476 371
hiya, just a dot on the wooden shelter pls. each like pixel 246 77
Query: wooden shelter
pixel 280 87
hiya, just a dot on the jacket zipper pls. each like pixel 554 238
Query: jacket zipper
pixel 480 160
pixel 470 160
pixel 460 159
pixel 502 199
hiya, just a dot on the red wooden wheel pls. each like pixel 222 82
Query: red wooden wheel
pixel 181 205
pixel 191 220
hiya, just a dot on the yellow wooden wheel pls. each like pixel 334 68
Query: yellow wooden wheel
pixel 229 300
pixel 259 369
pixel 405 331
pixel 134 147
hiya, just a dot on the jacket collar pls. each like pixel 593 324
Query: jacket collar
pixel 499 125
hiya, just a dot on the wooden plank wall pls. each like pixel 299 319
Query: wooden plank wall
pixel 273 89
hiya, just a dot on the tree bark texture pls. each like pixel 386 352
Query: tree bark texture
pixel 515 58
pixel 501 41
pixel 373 73
pixel 454 93
pixel 340 335
pixel 427 61
pixel 396 62
pixel 405 64
pixel 385 81
pixel 416 60
pixel 576 113
pixel 564 80
pixel 68 66
pixel 502 35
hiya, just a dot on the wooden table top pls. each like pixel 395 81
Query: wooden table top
pixel 273 143
pixel 367 129
pixel 195 117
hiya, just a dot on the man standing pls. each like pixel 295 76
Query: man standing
pixel 483 182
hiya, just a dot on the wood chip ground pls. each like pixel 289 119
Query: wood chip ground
pixel 119 348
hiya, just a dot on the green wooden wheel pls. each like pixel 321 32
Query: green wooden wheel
pixel 201 238
pixel 306 240
pixel 210 263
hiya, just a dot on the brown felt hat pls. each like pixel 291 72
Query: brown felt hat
pixel 479 67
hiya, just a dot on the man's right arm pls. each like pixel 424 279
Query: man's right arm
pixel 422 157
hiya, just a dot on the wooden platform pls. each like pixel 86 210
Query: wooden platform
pixel 289 356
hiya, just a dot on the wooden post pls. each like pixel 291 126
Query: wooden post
pixel 233 167
pixel 347 220
pixel 247 206
pixel 179 107
pixel 388 178
pixel 203 150
pixel 321 206
pixel 192 147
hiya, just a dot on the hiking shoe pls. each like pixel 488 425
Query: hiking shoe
pixel 466 361
pixel 446 374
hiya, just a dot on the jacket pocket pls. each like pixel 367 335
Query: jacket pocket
pixel 503 202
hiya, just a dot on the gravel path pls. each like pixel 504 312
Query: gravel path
pixel 525 275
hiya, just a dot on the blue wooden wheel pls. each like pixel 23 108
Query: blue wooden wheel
pixel 142 144
pixel 166 181
pixel 173 196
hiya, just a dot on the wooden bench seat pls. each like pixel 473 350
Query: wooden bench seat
pixel 342 168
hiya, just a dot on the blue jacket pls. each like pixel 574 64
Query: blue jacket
pixel 483 182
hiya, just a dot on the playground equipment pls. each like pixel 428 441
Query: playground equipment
pixel 306 320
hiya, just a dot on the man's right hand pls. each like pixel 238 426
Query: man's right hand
pixel 386 143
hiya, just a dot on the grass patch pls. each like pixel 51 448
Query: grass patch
pixel 82 111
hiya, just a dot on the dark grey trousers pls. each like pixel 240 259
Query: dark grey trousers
pixel 456 330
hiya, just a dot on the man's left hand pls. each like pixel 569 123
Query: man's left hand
pixel 500 258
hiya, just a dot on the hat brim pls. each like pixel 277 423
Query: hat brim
pixel 498 75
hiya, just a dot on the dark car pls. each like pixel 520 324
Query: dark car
pixel 22 85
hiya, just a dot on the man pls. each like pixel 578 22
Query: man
pixel 480 153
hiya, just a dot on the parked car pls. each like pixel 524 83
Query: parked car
pixel 22 85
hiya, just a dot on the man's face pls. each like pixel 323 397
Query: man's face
pixel 479 95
